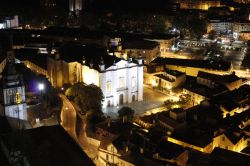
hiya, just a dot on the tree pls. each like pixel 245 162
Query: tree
pixel 126 112
pixel 197 27
pixel 89 98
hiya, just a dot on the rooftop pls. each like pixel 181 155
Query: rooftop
pixel 51 145
pixel 225 157
pixel 139 44
pixel 174 72
pixel 169 150
pixel 33 56
pixel 218 78
pixel 115 127
pixel 165 77
pixel 199 135
pixel 93 54
pixel 206 64
pixel 235 98
pixel 204 90
pixel 233 136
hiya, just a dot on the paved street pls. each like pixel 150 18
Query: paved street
pixel 151 100
pixel 68 117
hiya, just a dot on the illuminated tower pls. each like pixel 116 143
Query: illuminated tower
pixel 75 5
pixel 13 93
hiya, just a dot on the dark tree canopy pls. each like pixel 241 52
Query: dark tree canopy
pixel 88 97
pixel 126 112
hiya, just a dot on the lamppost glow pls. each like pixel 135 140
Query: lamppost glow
pixel 40 86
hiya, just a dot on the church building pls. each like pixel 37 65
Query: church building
pixel 12 93
pixel 120 80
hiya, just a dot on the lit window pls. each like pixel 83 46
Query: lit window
pixel 109 88
pixel 121 82
pixel 133 84
pixel 107 157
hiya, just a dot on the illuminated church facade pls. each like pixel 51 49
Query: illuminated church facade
pixel 120 80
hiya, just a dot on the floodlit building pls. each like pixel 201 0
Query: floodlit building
pixel 75 5
pixel 199 4
pixel 220 26
pixel 190 66
pixel 231 140
pixel 166 80
pixel 244 35
pixel 121 80
pixel 13 103
pixel 231 81
pixel 234 102
pixel 149 50
pixel 9 22
pixel 241 26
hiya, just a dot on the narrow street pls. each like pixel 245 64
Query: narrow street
pixel 68 122
pixel 68 116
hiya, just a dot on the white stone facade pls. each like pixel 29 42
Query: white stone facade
pixel 12 107
pixel 122 83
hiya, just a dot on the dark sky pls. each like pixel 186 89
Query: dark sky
pixel 95 5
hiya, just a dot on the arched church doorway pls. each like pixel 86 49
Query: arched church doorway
pixel 133 98
pixel 121 99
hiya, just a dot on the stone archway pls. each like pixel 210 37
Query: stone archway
pixel 133 98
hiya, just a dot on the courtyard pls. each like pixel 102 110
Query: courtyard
pixel 151 100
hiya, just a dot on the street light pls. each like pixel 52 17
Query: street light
pixel 40 86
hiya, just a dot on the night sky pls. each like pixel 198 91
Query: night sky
pixel 93 4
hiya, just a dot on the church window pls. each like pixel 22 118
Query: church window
pixel 133 84
pixel 109 88
pixel 107 157
pixel 121 82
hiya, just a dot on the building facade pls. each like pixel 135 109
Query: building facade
pixel 220 26
pixel 75 5
pixel 244 35
pixel 121 81
pixel 13 103
pixel 200 4
pixel 241 26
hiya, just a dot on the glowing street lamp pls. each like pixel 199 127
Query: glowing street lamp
pixel 40 86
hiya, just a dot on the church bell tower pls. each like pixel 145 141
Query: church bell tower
pixel 13 93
